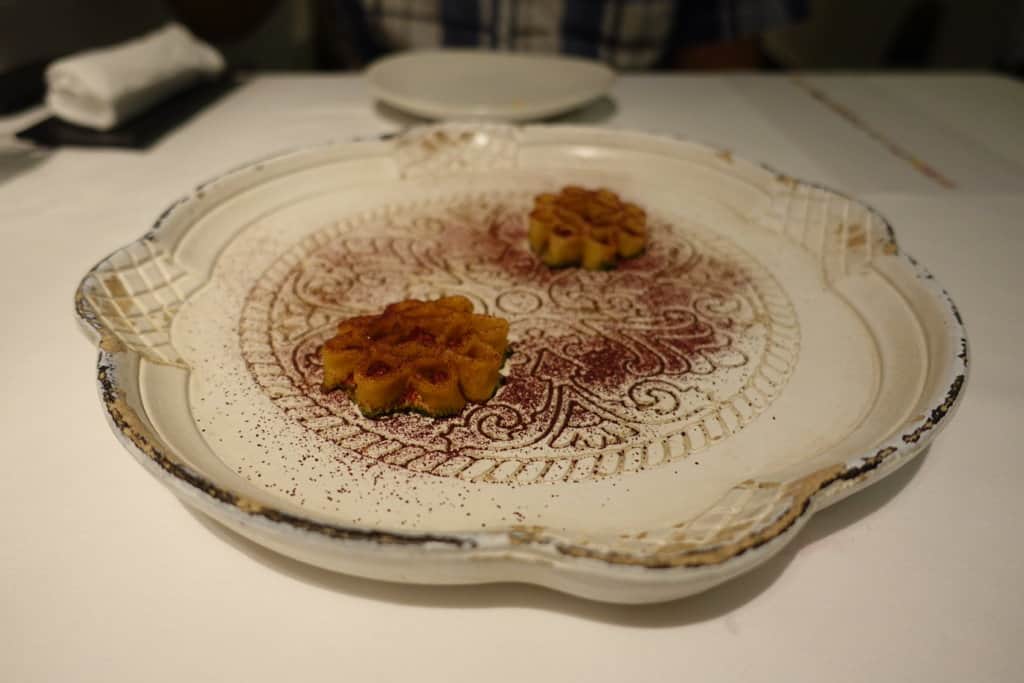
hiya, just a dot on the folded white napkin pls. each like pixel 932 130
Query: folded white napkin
pixel 104 87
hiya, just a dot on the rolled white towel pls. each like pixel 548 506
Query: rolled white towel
pixel 104 87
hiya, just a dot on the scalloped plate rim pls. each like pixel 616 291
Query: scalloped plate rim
pixel 524 546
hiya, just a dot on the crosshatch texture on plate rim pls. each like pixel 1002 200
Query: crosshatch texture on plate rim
pixel 129 298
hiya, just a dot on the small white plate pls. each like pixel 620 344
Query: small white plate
pixel 663 426
pixel 484 85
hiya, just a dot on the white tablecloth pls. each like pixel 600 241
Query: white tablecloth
pixel 104 576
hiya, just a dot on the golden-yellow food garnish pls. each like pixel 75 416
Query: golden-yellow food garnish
pixel 592 228
pixel 427 356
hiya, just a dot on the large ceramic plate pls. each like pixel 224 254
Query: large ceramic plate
pixel 662 427
pixel 485 85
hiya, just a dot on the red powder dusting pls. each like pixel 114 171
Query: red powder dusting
pixel 421 335
pixel 434 375
pixel 378 369
pixel 596 333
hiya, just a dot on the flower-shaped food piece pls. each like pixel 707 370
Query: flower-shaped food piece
pixel 428 356
pixel 590 227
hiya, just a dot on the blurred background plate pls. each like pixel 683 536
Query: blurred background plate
pixel 494 86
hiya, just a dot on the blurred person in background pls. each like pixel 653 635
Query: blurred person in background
pixel 627 34
pixel 348 34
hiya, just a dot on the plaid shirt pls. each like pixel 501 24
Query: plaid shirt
pixel 628 34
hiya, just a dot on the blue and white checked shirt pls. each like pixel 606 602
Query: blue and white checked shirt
pixel 628 34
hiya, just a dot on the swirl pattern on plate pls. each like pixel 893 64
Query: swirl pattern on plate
pixel 611 372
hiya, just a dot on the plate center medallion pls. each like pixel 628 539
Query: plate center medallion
pixel 610 372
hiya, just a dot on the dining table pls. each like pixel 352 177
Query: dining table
pixel 106 576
